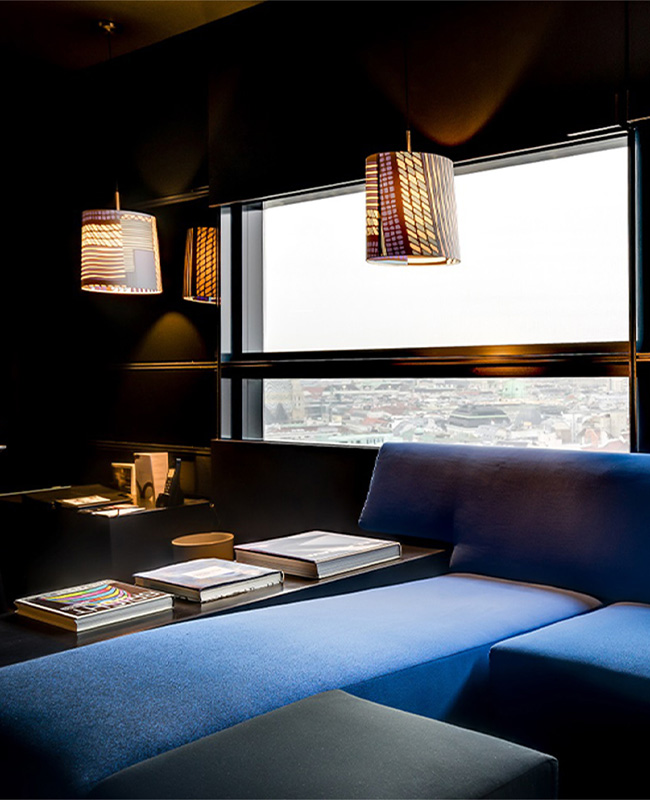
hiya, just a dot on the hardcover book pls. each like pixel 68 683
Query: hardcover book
pixel 204 579
pixel 91 605
pixel 318 554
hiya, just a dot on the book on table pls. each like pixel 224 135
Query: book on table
pixel 80 497
pixel 92 605
pixel 318 554
pixel 87 501
pixel 204 579
pixel 113 510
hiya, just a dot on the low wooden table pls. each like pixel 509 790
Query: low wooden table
pixel 22 638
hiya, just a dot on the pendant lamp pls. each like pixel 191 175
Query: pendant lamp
pixel 119 252
pixel 119 249
pixel 201 278
pixel 410 204
pixel 411 210
pixel 201 284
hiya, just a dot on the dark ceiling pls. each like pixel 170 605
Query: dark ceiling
pixel 65 33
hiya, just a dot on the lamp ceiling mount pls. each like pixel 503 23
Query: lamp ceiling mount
pixel 108 26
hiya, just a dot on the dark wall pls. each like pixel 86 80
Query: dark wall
pixel 263 490
pixel 42 385
pixel 302 93
pixel 82 368
pixel 280 97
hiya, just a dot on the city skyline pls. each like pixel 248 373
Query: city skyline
pixel 560 413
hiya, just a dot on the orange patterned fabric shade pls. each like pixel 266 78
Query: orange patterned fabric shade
pixel 202 265
pixel 119 252
pixel 411 210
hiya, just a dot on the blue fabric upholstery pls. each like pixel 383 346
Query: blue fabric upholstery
pixel 607 649
pixel 574 520
pixel 84 714
pixel 534 529
pixel 414 490
pixel 568 519
pixel 581 689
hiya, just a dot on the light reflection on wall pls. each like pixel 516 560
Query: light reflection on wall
pixel 172 338
pixel 461 67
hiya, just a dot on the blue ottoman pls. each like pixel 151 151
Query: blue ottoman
pixel 580 689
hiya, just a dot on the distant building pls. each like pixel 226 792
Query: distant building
pixel 284 400
pixel 471 416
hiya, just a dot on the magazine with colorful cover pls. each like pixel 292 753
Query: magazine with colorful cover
pixel 204 579
pixel 318 554
pixel 91 605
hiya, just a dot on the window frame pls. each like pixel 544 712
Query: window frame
pixel 244 365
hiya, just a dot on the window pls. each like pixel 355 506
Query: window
pixel 523 344
pixel 544 259
pixel 567 413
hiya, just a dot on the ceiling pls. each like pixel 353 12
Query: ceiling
pixel 66 33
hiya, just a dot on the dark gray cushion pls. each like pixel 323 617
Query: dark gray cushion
pixel 335 745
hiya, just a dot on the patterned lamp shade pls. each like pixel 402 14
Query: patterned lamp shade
pixel 202 265
pixel 119 252
pixel 410 210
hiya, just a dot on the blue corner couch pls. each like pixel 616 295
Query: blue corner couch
pixel 548 576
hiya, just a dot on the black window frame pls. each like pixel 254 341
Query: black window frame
pixel 244 365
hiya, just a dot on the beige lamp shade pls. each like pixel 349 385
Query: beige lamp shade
pixel 119 252
pixel 202 265
pixel 411 210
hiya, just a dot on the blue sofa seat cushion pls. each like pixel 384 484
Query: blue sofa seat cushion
pixel 84 714
pixel 607 649
pixel 581 689
pixel 603 656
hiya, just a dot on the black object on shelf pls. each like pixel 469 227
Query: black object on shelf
pixel 172 494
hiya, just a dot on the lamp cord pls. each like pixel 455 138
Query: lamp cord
pixel 406 87
pixel 110 28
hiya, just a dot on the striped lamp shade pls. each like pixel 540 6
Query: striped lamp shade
pixel 202 265
pixel 119 252
pixel 410 210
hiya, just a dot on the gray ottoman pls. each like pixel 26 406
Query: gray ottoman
pixel 335 745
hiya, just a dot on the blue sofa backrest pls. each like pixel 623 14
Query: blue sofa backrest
pixel 574 520
pixel 413 490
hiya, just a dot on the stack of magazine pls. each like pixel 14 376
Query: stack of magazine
pixel 318 554
pixel 91 605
